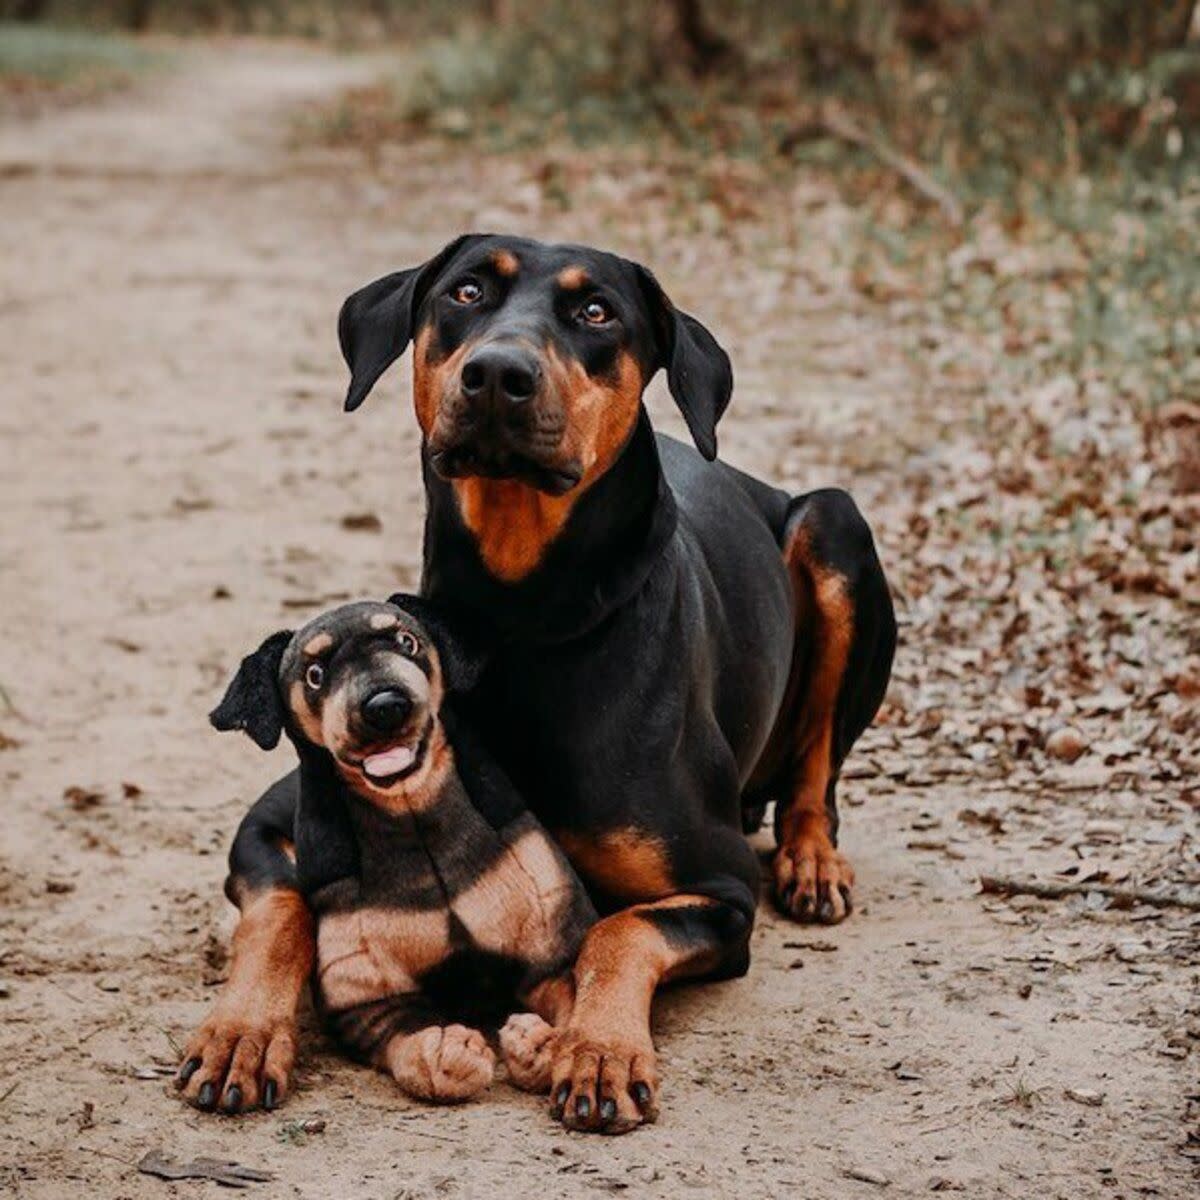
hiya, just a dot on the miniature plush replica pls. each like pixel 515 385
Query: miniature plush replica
pixel 442 905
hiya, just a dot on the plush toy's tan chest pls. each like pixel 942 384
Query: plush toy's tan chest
pixel 518 907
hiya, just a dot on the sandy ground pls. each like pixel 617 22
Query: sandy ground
pixel 177 480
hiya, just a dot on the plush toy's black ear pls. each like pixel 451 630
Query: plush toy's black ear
pixel 460 651
pixel 376 322
pixel 699 373
pixel 252 701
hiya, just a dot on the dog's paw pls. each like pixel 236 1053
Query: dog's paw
pixel 445 1064
pixel 527 1047
pixel 602 1084
pixel 813 880
pixel 237 1061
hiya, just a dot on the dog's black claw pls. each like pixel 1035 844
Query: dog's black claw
pixel 233 1099
pixel 608 1109
pixel 846 898
pixel 559 1101
pixel 583 1107
pixel 825 910
pixel 188 1069
pixel 641 1095
pixel 270 1095
pixel 207 1096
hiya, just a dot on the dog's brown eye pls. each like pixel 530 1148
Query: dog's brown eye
pixel 596 312
pixel 314 676
pixel 408 644
pixel 467 292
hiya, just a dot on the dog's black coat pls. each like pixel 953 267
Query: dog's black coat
pixel 638 673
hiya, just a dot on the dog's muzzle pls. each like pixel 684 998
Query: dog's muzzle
pixel 501 424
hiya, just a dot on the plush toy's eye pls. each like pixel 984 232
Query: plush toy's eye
pixel 467 292
pixel 314 676
pixel 408 643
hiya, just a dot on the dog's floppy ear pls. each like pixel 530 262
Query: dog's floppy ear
pixel 252 701
pixel 460 651
pixel 376 322
pixel 699 373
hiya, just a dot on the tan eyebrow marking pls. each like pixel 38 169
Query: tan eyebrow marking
pixel 383 620
pixel 318 644
pixel 573 278
pixel 505 262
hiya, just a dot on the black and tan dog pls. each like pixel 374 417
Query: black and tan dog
pixel 675 642
pixel 442 905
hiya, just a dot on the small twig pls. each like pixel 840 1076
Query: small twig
pixel 1125 897
pixel 437 1137
pixel 105 1154
pixel 176 1047
pixel 833 120
pixel 1058 1133
pixel 842 125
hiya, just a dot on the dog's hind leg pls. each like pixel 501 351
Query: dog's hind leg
pixel 846 637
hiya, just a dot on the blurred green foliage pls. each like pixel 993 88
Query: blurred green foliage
pixel 350 19
pixel 36 58
pixel 990 97
pixel 1070 119
pixel 982 92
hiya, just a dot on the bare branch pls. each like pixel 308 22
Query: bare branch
pixel 1124 897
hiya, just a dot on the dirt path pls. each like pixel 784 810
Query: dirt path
pixel 176 477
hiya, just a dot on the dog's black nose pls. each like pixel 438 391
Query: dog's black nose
pixel 386 711
pixel 501 375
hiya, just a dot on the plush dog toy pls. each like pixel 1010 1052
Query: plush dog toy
pixel 441 904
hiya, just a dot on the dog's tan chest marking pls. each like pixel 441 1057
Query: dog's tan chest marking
pixel 514 524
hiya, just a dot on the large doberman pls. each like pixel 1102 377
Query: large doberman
pixel 674 644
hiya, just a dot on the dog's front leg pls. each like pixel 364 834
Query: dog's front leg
pixel 603 1071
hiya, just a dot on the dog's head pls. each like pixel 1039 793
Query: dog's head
pixel 531 359
pixel 364 682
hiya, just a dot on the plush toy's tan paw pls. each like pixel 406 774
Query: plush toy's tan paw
pixel 527 1047
pixel 445 1064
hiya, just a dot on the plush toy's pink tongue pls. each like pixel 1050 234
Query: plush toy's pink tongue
pixel 389 762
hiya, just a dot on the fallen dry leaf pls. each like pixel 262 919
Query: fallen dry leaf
pixel 226 1173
